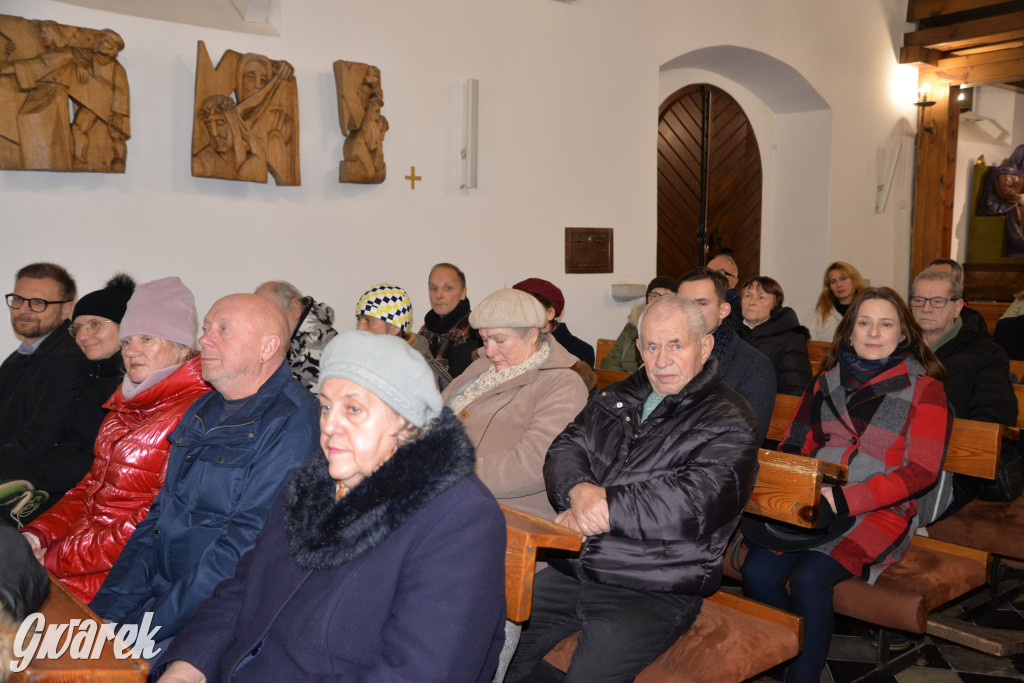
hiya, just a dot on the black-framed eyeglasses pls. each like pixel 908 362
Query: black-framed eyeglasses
pixel 36 305
pixel 722 271
pixel 91 327
pixel 934 301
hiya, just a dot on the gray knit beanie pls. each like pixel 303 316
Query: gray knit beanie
pixel 162 308
pixel 387 366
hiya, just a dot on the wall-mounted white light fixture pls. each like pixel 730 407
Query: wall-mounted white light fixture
pixel 469 150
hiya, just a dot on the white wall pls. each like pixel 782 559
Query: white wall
pixel 568 127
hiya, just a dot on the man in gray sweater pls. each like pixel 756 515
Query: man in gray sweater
pixel 743 367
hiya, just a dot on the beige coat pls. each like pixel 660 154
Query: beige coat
pixel 513 425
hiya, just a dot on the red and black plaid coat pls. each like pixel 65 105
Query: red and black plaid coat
pixel 892 434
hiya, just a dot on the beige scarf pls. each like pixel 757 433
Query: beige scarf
pixel 491 378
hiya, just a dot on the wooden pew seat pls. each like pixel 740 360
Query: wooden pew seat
pixel 735 638
pixel 995 527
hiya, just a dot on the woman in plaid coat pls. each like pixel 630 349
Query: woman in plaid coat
pixel 878 407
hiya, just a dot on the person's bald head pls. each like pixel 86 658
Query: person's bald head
pixel 245 339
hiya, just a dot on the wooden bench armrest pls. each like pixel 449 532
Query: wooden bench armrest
pixel 526 533
pixel 61 607
pixel 788 487
pixel 760 610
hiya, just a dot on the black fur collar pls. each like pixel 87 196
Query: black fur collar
pixel 324 533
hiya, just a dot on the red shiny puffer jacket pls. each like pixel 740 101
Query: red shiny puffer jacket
pixel 85 532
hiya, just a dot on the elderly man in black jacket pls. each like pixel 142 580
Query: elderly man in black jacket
pixel 977 377
pixel 655 471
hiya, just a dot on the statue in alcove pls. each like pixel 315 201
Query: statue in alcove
pixel 64 102
pixel 246 119
pixel 360 99
pixel 1004 196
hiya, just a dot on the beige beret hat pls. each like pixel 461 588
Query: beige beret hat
pixel 508 308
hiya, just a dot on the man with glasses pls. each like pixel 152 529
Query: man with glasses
pixel 977 369
pixel 39 381
pixel 726 265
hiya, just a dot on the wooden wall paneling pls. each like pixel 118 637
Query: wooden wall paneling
pixel 934 176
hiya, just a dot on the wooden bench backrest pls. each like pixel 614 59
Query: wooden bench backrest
pixel 817 350
pixel 990 311
pixel 606 377
pixel 604 347
pixel 974 447
pixel 1017 368
pixel 1018 391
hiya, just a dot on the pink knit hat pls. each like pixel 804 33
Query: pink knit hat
pixel 162 308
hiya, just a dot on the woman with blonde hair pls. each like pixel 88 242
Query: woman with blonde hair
pixel 841 284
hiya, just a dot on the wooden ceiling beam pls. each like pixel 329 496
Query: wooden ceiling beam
pixel 980 58
pixel 1002 28
pixel 993 72
pixel 927 9
pixel 918 56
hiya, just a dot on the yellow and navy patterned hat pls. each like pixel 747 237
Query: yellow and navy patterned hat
pixel 389 303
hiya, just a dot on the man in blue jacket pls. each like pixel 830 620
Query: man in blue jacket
pixel 655 471
pixel 232 453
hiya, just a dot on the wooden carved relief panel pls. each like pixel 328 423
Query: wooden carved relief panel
pixel 246 119
pixel 360 99
pixel 63 98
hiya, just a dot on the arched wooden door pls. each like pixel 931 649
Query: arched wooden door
pixel 709 182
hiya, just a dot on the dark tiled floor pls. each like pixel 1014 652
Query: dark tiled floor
pixel 852 654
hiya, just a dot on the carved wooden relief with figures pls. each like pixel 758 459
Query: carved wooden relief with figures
pixel 63 98
pixel 246 119
pixel 360 99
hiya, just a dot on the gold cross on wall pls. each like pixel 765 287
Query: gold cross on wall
pixel 412 177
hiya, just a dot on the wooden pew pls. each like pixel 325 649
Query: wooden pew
pixel 735 638
pixel 933 571
pixel 603 348
pixel 60 608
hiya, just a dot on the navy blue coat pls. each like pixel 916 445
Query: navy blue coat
pixel 400 579
pixel 221 482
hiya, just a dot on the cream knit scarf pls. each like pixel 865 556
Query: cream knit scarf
pixel 491 378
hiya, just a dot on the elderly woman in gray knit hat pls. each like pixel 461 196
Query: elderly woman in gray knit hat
pixel 382 559
pixel 516 399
